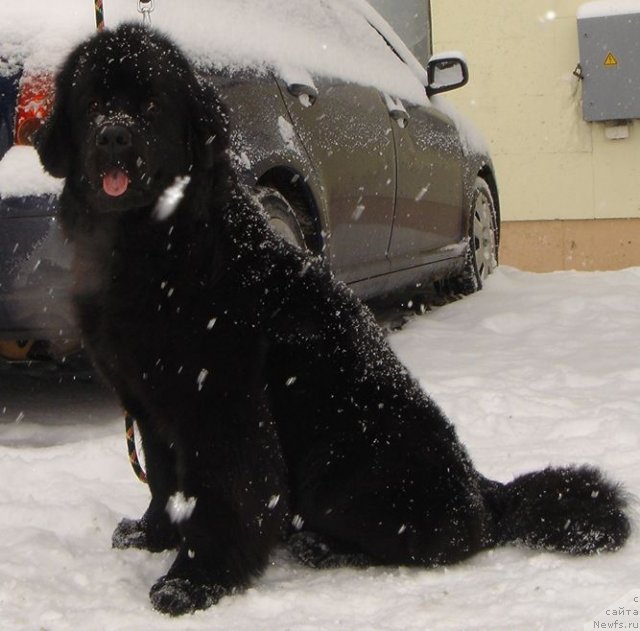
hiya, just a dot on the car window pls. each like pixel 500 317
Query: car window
pixel 375 60
pixel 411 20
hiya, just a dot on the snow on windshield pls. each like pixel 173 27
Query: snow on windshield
pixel 286 36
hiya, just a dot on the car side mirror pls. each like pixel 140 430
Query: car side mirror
pixel 445 72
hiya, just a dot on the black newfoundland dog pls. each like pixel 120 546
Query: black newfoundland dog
pixel 270 406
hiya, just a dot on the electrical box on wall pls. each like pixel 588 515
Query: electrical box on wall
pixel 609 36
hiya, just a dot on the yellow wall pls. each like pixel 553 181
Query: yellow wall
pixel 523 96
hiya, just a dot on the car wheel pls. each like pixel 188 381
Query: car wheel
pixel 481 257
pixel 282 216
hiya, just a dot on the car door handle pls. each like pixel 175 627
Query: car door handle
pixel 397 111
pixel 401 116
pixel 306 94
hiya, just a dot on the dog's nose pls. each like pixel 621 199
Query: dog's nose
pixel 114 137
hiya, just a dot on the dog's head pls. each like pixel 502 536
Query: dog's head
pixel 129 118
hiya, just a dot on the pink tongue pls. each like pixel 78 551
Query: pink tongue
pixel 115 183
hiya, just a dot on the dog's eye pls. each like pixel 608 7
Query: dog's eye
pixel 150 107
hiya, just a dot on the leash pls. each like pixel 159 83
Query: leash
pixel 132 448
pixel 99 15
pixel 145 7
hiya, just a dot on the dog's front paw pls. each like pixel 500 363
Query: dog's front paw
pixel 136 533
pixel 130 533
pixel 177 596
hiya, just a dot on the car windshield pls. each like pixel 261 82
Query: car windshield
pixel 284 36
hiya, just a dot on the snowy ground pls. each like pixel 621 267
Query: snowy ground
pixel 535 369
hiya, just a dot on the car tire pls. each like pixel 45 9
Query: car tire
pixel 282 216
pixel 481 256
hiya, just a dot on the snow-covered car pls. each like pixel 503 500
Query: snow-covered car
pixel 335 119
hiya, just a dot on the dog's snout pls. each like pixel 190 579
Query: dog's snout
pixel 114 137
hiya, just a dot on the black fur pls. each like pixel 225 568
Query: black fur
pixel 262 387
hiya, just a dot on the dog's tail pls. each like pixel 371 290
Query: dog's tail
pixel 570 509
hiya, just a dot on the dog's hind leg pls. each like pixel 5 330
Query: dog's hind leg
pixel 321 552
pixel 427 513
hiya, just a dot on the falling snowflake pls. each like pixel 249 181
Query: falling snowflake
pixel 180 508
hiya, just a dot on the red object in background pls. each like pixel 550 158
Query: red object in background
pixel 35 98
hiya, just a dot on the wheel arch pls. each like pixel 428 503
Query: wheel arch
pixel 487 174
pixel 293 187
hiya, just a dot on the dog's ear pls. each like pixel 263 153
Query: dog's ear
pixel 209 125
pixel 52 140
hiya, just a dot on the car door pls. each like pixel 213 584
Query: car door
pixel 346 131
pixel 428 214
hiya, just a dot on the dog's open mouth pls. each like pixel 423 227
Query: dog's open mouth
pixel 115 182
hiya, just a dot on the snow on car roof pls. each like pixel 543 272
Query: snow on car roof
pixel 296 39
pixel 290 37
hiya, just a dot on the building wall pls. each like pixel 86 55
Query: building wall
pixel 552 166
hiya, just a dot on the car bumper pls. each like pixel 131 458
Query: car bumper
pixel 35 279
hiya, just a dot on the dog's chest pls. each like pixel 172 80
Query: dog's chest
pixel 132 296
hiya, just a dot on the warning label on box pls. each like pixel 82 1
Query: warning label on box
pixel 610 60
